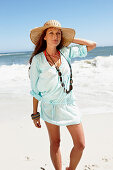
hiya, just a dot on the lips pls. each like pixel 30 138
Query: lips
pixel 55 41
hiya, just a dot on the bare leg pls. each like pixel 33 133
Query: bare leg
pixel 76 131
pixel 54 136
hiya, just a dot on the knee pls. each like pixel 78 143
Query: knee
pixel 80 146
pixel 55 144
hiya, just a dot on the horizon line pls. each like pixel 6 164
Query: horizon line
pixel 32 50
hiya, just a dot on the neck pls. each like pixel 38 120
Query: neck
pixel 51 50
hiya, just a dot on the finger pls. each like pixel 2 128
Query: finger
pixel 37 123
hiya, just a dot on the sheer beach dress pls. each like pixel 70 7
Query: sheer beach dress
pixel 56 106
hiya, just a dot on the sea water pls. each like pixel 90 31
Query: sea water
pixel 93 78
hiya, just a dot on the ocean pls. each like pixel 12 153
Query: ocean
pixel 23 57
pixel 93 77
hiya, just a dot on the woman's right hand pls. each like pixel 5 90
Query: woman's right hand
pixel 37 123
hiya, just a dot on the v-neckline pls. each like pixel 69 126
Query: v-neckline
pixel 53 66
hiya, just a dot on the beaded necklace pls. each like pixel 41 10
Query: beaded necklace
pixel 60 74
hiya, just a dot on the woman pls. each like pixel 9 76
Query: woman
pixel 52 84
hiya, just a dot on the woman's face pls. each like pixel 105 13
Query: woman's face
pixel 53 37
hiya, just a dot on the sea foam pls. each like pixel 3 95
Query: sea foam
pixel 93 71
pixel 93 80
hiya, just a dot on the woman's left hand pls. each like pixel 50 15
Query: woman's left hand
pixel 90 44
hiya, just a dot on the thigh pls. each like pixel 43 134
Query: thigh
pixel 77 133
pixel 53 131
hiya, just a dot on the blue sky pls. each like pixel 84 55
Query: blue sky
pixel 92 20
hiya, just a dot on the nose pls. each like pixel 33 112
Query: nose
pixel 55 36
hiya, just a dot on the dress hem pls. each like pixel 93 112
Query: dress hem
pixel 65 124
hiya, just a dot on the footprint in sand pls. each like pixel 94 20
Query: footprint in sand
pixel 27 158
pixel 90 167
pixel 42 168
pixel 105 159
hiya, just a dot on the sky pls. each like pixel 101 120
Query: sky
pixel 91 19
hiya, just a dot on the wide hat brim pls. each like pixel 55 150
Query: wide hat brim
pixel 68 34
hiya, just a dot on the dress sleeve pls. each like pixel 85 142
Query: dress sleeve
pixel 34 76
pixel 78 51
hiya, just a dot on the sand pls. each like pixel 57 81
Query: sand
pixel 25 147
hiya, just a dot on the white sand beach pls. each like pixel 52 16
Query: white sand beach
pixel 25 147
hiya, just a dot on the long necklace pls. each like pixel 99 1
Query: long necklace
pixel 60 74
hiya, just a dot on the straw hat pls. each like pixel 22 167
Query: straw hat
pixel 67 33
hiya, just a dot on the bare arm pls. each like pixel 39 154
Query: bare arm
pixel 90 44
pixel 35 108
pixel 35 105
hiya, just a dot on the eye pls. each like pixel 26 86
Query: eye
pixel 58 33
pixel 50 32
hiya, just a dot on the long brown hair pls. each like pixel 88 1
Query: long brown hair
pixel 41 45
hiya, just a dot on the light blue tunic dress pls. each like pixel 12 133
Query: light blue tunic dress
pixel 57 107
